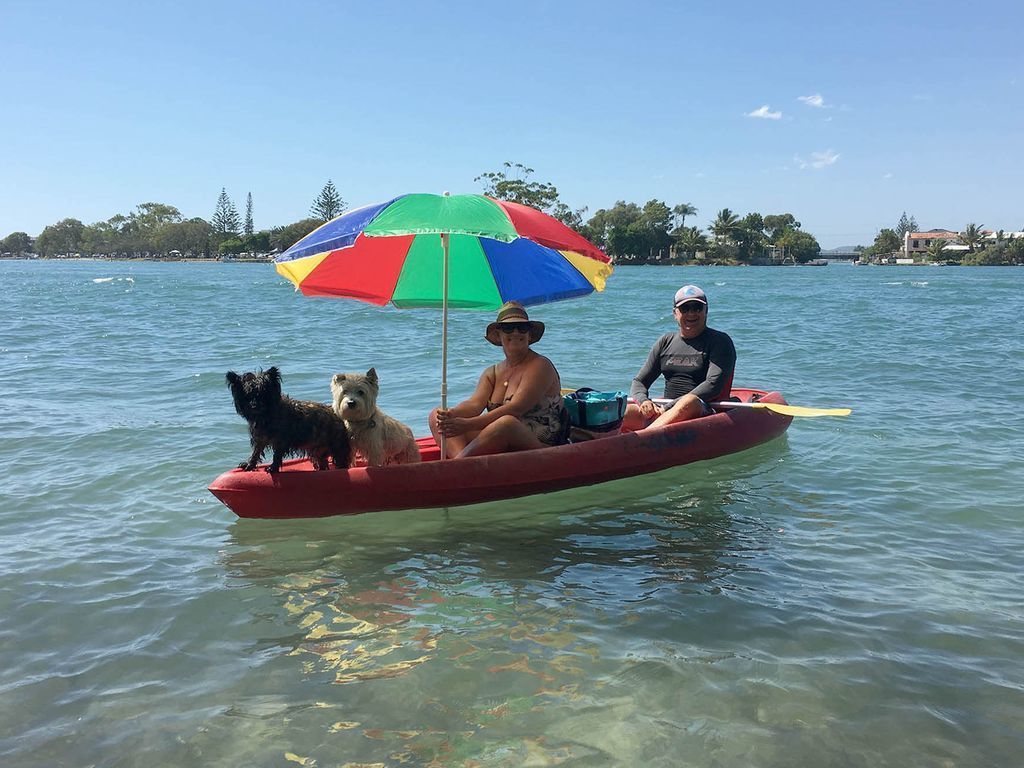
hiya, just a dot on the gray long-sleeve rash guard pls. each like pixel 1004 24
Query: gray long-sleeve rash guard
pixel 702 366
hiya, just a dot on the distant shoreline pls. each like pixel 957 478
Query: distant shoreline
pixel 247 260
pixel 150 259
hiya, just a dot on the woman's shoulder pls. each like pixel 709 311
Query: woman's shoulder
pixel 541 361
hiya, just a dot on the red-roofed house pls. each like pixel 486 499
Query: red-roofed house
pixel 916 243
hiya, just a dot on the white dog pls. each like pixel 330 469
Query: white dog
pixel 379 438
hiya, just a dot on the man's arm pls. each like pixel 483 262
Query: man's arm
pixel 639 390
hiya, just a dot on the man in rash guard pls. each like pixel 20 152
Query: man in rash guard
pixel 696 361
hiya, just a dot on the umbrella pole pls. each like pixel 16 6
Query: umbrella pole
pixel 444 334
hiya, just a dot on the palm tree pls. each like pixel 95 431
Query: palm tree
pixel 724 225
pixel 935 249
pixel 689 240
pixel 971 236
pixel 682 211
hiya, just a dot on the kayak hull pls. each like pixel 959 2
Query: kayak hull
pixel 298 490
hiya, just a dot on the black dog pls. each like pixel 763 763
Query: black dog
pixel 288 426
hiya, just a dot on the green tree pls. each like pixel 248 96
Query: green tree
pixel 64 237
pixel 328 203
pixel 996 256
pixel 906 224
pixel 680 212
pixel 145 221
pixel 572 218
pixel 972 237
pixel 724 226
pixel 749 237
pixel 653 227
pixel 16 243
pixel 935 247
pixel 248 215
pixel 257 242
pixel 617 219
pixel 802 246
pixel 151 215
pixel 628 231
pixel 776 224
pixel 97 238
pixel 282 238
pixel 190 238
pixel 514 185
pixel 225 222
pixel 887 242
pixel 232 246
pixel 1015 250
pixel 689 241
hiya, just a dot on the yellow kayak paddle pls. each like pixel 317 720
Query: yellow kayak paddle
pixel 785 410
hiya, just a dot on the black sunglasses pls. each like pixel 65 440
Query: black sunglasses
pixel 693 306
pixel 514 327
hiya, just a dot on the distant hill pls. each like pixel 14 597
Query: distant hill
pixel 840 249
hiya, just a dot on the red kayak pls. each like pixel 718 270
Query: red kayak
pixel 298 490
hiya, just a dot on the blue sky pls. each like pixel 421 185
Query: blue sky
pixel 844 117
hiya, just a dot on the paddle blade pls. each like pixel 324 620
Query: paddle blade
pixel 789 410
pixel 799 410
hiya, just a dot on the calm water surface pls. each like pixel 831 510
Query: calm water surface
pixel 848 595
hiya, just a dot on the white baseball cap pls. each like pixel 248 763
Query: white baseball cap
pixel 690 293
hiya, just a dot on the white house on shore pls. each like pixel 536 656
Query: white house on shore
pixel 916 243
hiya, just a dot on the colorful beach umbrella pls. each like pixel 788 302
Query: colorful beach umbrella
pixel 463 251
pixel 392 252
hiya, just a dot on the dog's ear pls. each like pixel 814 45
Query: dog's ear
pixel 233 379
pixel 274 374
pixel 372 375
pixel 337 379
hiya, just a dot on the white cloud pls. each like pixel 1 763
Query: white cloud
pixel 814 100
pixel 817 160
pixel 887 176
pixel 765 113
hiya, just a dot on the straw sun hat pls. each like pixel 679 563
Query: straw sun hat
pixel 513 312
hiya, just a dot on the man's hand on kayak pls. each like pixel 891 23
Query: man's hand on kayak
pixel 649 410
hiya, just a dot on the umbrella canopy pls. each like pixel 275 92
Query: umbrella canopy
pixel 497 252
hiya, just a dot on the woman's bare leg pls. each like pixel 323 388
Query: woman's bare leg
pixel 505 434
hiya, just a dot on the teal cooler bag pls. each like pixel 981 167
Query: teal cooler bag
pixel 596 411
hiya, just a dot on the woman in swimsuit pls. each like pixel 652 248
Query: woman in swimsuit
pixel 517 404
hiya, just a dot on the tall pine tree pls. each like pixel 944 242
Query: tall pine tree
pixel 328 203
pixel 906 225
pixel 225 221
pixel 248 215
